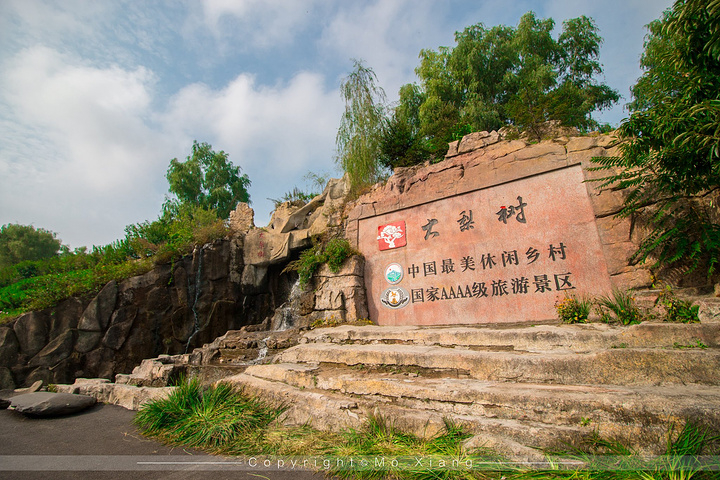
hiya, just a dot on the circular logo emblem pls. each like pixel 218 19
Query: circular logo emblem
pixel 394 273
pixel 395 297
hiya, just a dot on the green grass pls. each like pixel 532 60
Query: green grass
pixel 605 459
pixel 36 285
pixel 223 420
pixel 677 310
pixel 38 293
pixel 620 307
pixel 209 418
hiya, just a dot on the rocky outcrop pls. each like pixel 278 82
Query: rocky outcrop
pixel 171 309
pixel 484 159
pixel 176 307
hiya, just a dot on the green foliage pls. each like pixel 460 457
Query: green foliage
pixel 334 252
pixel 361 127
pixel 402 144
pixel 604 458
pixel 698 344
pixel 207 180
pixel 19 243
pixel 620 307
pixel 308 263
pixel 35 285
pixel 573 309
pixel 337 250
pixel 211 417
pixel 672 151
pixel 497 77
pixel 45 291
pixel 677 310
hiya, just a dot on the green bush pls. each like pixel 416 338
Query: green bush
pixel 334 252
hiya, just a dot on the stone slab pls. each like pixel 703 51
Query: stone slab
pixel 327 410
pixel 49 404
pixel 502 254
pixel 619 366
pixel 533 338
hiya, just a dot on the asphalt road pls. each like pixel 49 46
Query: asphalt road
pixel 102 443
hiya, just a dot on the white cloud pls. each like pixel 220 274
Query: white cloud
pixel 83 137
pixel 276 134
pixel 259 23
pixel 387 36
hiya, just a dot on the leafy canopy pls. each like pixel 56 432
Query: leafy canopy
pixel 20 243
pixel 361 126
pixel 206 179
pixel 672 153
pixel 497 77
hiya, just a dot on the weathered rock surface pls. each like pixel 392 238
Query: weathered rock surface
pixel 518 386
pixel 32 330
pixel 9 346
pixel 127 396
pixel 171 309
pixel 48 404
pixel 242 219
pixel 96 316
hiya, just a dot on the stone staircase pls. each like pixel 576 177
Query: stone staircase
pixel 517 388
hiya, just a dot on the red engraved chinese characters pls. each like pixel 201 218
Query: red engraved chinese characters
pixel 391 235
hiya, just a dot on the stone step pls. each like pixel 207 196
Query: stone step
pixel 331 411
pixel 620 366
pixel 612 407
pixel 578 338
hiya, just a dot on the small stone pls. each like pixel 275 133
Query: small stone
pixel 35 387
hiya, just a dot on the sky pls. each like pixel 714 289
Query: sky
pixel 96 97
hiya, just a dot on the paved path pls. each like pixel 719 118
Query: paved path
pixel 102 443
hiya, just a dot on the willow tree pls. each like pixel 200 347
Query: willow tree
pixel 361 127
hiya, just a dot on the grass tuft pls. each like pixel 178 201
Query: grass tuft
pixel 620 307
pixel 211 417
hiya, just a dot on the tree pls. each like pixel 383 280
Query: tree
pixel 509 76
pixel 402 144
pixel 24 242
pixel 207 180
pixel 672 152
pixel 361 127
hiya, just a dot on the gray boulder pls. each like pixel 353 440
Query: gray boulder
pixel 48 404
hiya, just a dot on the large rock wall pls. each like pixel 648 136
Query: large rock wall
pixel 483 160
pixel 171 309
pixel 179 306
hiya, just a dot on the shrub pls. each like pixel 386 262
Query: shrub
pixel 572 309
pixel 334 252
